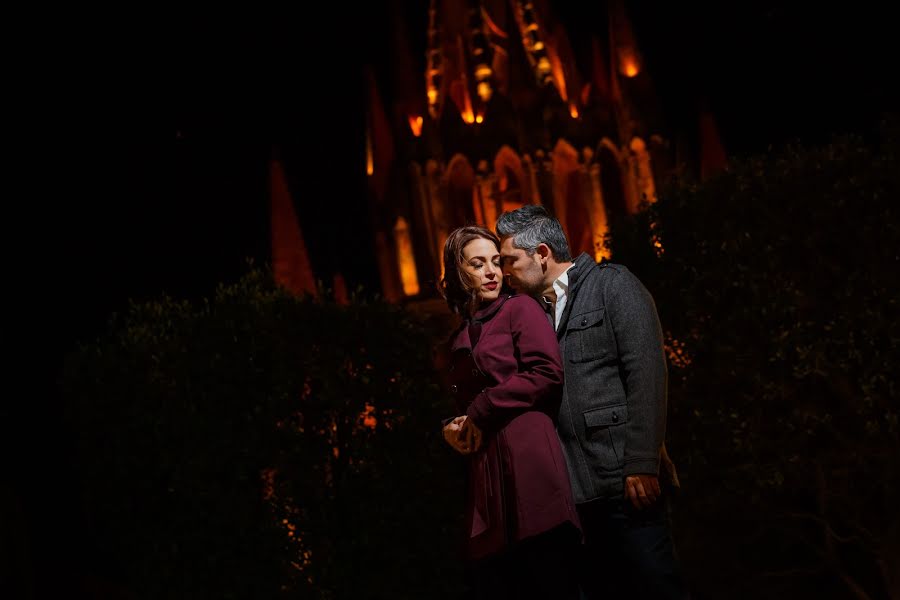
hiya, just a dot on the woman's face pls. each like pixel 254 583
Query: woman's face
pixel 481 260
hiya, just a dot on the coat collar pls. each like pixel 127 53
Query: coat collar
pixel 463 337
pixel 582 265
pixel 491 309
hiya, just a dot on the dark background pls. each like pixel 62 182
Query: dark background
pixel 159 134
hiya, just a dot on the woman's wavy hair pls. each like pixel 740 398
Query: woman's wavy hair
pixel 456 286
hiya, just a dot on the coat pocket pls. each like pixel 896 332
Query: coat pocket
pixel 605 431
pixel 586 339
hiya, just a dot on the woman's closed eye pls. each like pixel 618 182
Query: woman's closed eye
pixel 478 265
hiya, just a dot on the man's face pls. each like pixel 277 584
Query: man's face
pixel 523 272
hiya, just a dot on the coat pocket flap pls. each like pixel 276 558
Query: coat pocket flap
pixel 585 320
pixel 606 416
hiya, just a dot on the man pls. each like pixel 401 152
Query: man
pixel 613 416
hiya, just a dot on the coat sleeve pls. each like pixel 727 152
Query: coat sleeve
pixel 639 338
pixel 538 381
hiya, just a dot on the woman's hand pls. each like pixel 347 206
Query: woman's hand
pixel 470 436
pixel 451 433
pixel 462 435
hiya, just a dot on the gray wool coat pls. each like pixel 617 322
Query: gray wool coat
pixel 612 421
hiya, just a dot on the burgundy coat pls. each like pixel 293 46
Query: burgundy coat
pixel 506 375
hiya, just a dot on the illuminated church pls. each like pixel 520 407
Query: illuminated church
pixel 505 113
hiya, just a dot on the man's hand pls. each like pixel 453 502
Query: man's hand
pixel 462 435
pixel 642 490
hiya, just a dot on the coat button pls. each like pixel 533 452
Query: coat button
pixel 475 372
pixel 615 418
pixel 584 322
pixel 453 389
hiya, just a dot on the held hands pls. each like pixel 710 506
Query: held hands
pixel 471 436
pixel 451 433
pixel 642 490
pixel 463 435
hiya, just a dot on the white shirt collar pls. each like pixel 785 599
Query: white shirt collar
pixel 563 279
pixel 561 287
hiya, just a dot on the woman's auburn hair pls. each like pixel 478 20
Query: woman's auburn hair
pixel 456 285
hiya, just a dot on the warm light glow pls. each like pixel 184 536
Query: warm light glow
pixel 415 124
pixel 643 174
pixel 630 67
pixel 600 228
pixel 479 119
pixel 559 76
pixel 676 352
pixel 484 91
pixel 511 205
pixel 440 248
pixel 538 46
pixel 543 66
pixel 482 72
pixel 367 417
pixel 285 513
pixel 409 277
pixel 432 95
pixel 468 116
pixel 573 110
pixel 601 254
pixel 370 160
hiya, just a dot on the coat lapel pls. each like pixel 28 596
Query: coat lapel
pixel 489 311
pixel 582 264
pixel 470 330
pixel 462 341
pixel 564 318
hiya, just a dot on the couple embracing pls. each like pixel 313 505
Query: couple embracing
pixel 559 376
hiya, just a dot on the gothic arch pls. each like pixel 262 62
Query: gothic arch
pixel 406 260
pixel 569 189
pixel 513 185
pixel 459 182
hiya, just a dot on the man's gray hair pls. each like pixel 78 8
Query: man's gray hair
pixel 532 225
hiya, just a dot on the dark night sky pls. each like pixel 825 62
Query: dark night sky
pixel 144 165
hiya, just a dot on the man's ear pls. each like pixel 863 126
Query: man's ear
pixel 545 253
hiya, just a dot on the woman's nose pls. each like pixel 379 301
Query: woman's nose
pixel 490 271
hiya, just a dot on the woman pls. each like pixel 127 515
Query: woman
pixel 506 378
